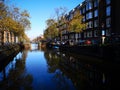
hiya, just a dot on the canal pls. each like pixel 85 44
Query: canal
pixel 42 69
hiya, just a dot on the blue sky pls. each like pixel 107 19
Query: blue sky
pixel 41 10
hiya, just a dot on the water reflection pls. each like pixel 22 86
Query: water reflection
pixel 16 77
pixel 42 69
pixel 83 74
pixel 61 81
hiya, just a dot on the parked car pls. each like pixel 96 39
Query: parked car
pixel 88 42
pixel 112 40
pixel 81 42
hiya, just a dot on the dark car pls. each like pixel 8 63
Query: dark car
pixel 112 40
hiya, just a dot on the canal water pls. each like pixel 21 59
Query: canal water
pixel 42 69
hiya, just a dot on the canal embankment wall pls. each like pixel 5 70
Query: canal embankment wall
pixel 7 51
pixel 107 52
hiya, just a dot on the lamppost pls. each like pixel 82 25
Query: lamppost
pixel 103 33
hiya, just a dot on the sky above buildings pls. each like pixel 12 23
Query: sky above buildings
pixel 41 10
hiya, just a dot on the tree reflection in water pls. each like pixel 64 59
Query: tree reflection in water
pixel 83 74
pixel 61 81
pixel 17 78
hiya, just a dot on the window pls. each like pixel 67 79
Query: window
pixel 96 3
pixel 64 32
pixel 71 16
pixel 90 24
pixel 108 22
pixel 96 33
pixel 76 35
pixel 108 32
pixel 89 34
pixel 96 13
pixel 89 15
pixel 83 19
pixel 108 10
pixel 103 32
pixel 95 23
pixel 79 35
pixel 108 2
pixel 85 35
pixel 89 5
pixel 83 10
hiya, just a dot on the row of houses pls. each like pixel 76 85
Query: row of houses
pixel 6 36
pixel 102 19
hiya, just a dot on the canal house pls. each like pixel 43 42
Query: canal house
pixel 101 18
pixel 6 36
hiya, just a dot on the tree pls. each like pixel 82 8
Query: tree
pixel 61 20
pixel 14 20
pixel 60 12
pixel 20 22
pixel 21 18
pixel 51 31
pixel 3 14
pixel 24 20
pixel 53 24
pixel 76 24
pixel 3 10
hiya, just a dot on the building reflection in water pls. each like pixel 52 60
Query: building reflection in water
pixel 65 71
pixel 86 73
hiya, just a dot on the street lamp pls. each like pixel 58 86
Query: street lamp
pixel 103 34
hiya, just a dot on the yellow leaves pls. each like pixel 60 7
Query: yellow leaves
pixel 14 20
pixel 3 11
pixel 51 30
pixel 76 24
pixel 11 25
